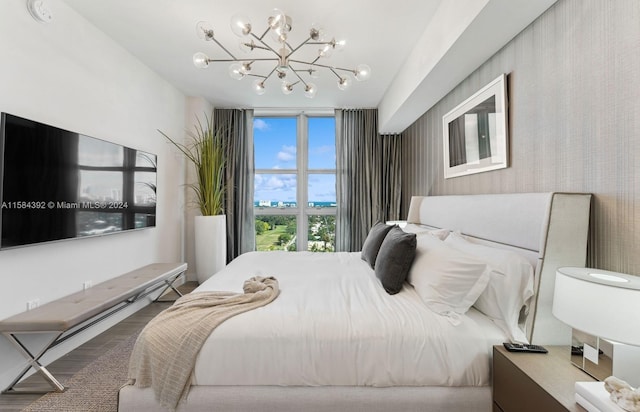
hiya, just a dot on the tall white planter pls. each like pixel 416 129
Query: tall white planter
pixel 211 245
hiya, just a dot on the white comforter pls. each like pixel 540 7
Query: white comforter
pixel 333 324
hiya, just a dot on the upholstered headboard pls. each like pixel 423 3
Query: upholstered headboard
pixel 550 229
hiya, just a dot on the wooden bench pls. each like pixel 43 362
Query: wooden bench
pixel 70 315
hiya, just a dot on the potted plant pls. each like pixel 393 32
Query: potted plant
pixel 206 150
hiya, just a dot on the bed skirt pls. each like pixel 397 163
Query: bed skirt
pixel 316 399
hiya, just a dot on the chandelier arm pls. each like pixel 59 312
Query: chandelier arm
pixel 225 49
pixel 298 76
pixel 265 44
pixel 255 46
pixel 332 68
pixel 300 45
pixel 262 59
pixel 256 75
pixel 286 43
pixel 270 73
pixel 263 34
pixel 241 60
pixel 334 72
pixel 344 70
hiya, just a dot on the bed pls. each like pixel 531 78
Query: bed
pixel 335 340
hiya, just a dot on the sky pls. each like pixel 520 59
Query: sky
pixel 275 149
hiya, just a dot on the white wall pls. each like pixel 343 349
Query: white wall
pixel 574 98
pixel 460 37
pixel 68 74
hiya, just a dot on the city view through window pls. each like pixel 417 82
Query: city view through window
pixel 295 183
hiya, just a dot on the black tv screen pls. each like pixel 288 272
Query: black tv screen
pixel 58 184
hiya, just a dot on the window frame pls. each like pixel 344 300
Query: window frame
pixel 302 211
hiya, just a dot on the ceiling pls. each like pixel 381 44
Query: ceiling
pixel 162 34
pixel 418 50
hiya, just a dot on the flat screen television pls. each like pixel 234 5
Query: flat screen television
pixel 57 184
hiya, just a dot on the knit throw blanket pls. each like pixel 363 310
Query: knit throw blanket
pixel 164 355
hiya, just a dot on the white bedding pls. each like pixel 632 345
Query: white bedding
pixel 333 324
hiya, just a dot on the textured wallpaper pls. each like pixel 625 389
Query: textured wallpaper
pixel 574 122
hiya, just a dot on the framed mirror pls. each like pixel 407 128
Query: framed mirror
pixel 476 133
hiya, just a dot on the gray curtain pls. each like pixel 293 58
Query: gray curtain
pixel 238 125
pixel 457 148
pixel 368 176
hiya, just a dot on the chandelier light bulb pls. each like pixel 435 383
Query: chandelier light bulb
pixel 282 72
pixel 235 71
pixel 362 72
pixel 245 68
pixel 317 33
pixel 286 87
pixel 258 87
pixel 344 83
pixel 200 60
pixel 339 44
pixel 240 25
pixel 204 31
pixel 278 36
pixel 275 19
pixel 279 22
pixel 326 51
pixel 310 90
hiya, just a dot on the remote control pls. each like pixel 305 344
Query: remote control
pixel 523 347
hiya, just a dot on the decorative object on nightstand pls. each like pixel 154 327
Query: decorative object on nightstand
pixel 603 308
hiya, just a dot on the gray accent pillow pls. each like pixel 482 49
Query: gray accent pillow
pixel 373 241
pixel 395 258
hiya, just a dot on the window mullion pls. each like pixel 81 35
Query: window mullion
pixel 303 198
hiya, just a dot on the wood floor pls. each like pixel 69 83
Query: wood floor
pixel 74 361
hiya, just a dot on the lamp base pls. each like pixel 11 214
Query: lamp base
pixel 601 358
pixel 594 397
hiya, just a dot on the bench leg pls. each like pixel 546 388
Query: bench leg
pixel 34 363
pixel 170 283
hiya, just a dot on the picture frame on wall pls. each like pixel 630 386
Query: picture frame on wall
pixel 475 133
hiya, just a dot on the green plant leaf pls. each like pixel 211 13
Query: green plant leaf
pixel 206 149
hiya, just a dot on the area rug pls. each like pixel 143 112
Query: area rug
pixel 94 388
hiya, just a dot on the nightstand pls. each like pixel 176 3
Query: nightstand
pixel 534 382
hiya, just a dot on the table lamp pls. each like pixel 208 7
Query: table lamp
pixel 603 308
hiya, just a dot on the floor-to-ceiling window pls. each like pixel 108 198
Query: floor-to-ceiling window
pixel 295 182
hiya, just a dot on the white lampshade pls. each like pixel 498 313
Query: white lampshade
pixel 599 302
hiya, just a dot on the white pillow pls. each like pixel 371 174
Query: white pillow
pixel 419 229
pixel 446 279
pixel 510 286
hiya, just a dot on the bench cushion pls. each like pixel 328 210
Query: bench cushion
pixel 65 313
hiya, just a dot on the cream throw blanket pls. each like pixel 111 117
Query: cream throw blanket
pixel 165 353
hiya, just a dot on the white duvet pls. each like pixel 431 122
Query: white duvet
pixel 333 324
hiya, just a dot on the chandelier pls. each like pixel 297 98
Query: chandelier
pixel 277 49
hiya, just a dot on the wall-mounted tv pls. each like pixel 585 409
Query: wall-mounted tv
pixel 57 184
